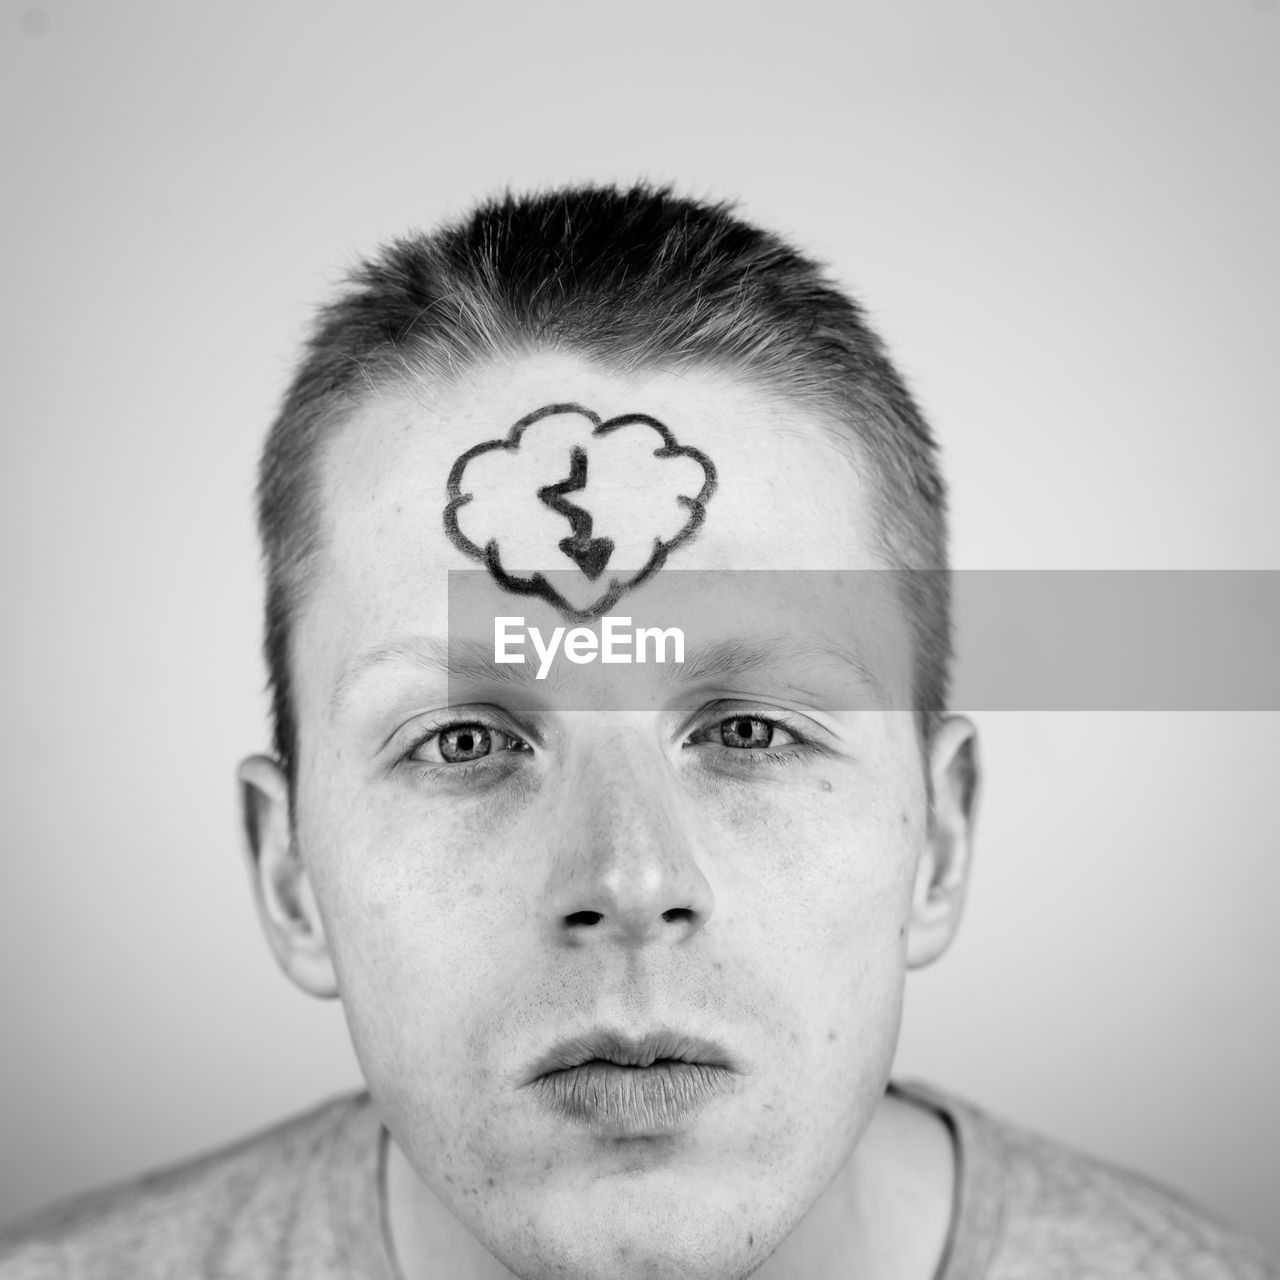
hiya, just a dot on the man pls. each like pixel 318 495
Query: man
pixel 622 951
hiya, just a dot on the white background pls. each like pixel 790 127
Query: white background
pixel 1064 219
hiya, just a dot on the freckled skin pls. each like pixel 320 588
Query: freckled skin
pixel 444 905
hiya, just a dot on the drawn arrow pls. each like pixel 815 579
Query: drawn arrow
pixel 588 553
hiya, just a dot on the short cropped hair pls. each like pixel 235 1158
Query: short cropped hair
pixel 634 279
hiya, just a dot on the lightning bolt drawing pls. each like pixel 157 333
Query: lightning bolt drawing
pixel 588 553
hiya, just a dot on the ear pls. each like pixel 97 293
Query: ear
pixel 943 871
pixel 286 904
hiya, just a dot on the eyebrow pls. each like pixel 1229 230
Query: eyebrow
pixel 465 659
pixel 741 655
pixel 459 659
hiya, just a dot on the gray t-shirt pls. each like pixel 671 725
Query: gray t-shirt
pixel 302 1201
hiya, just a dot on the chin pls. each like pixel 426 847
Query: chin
pixel 642 1232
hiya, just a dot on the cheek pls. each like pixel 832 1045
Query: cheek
pixel 419 917
pixel 826 857
pixel 813 893
pixel 384 851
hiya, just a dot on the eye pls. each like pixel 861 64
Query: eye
pixel 464 742
pixel 751 733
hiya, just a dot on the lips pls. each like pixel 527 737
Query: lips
pixel 628 1086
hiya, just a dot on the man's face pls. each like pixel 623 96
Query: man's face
pixel 499 872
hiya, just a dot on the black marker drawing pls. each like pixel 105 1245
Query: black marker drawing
pixel 588 553
pixel 662 508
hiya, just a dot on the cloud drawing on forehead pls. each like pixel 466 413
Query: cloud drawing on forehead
pixel 576 510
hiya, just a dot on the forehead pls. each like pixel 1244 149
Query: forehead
pixel 388 467
pixel 780 489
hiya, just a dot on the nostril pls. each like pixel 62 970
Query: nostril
pixel 594 917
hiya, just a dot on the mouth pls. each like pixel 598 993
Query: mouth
pixel 625 1086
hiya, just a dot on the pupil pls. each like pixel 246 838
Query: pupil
pixel 464 744
pixel 746 731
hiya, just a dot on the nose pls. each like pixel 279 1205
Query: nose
pixel 626 870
